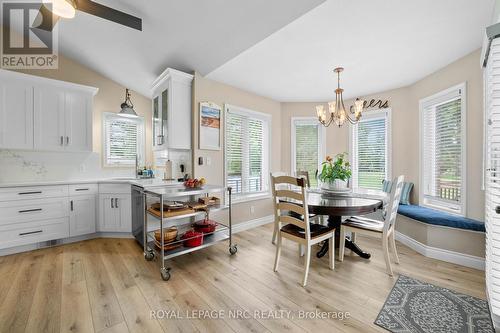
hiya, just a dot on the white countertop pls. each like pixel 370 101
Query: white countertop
pixel 146 183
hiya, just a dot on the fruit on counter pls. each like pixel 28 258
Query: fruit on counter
pixel 193 183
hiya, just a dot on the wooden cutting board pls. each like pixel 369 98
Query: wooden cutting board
pixel 171 213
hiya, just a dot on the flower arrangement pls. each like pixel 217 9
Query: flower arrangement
pixel 334 169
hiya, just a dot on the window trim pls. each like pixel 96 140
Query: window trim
pixel 105 146
pixel 368 115
pixel 432 100
pixel 238 198
pixel 321 141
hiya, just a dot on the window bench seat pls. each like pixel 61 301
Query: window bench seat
pixel 435 217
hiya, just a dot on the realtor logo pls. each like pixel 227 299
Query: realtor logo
pixel 29 40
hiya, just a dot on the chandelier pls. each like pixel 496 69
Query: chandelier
pixel 338 114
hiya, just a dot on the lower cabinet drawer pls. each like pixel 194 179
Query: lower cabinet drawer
pixel 33 232
pixel 12 212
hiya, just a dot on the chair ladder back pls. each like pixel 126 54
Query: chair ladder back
pixel 393 205
pixel 291 201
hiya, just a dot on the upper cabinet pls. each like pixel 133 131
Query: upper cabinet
pixel 172 110
pixel 16 114
pixel 44 114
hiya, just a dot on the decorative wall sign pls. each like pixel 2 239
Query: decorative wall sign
pixel 210 120
pixel 374 103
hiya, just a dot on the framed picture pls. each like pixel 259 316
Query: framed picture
pixel 210 120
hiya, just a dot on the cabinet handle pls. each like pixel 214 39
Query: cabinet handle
pixel 62 140
pixel 26 193
pixel 112 203
pixel 71 204
pixel 116 202
pixel 30 210
pixel 81 189
pixel 30 233
pixel 67 140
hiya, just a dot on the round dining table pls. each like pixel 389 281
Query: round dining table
pixel 338 205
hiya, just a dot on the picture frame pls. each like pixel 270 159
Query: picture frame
pixel 210 115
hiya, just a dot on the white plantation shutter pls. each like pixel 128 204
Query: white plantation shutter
pixel 246 151
pixel 122 139
pixel 492 181
pixel 307 148
pixel 370 147
pixel 443 143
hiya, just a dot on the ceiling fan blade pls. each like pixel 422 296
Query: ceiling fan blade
pixel 109 14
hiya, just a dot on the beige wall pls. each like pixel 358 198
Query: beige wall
pixel 404 103
pixel 108 99
pixel 215 92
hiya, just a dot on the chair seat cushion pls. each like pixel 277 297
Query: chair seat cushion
pixel 436 217
pixel 316 230
pixel 364 223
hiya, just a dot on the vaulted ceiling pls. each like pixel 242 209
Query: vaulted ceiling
pixel 383 44
pixel 187 35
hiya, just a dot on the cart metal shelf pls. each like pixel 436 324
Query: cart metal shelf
pixel 222 232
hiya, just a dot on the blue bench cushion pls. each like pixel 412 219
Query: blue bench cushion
pixel 436 217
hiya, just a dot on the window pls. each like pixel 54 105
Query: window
pixel 123 140
pixel 370 149
pixel 442 119
pixel 247 152
pixel 308 148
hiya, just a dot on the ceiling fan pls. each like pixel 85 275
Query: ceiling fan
pixel 52 10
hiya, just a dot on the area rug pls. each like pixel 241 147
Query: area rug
pixel 416 306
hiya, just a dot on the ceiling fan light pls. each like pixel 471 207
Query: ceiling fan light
pixel 61 8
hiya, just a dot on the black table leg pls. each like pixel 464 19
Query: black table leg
pixel 336 221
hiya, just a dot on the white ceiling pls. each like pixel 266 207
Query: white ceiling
pixel 186 35
pixel 383 44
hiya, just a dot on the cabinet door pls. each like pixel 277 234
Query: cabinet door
pixel 179 120
pixel 123 206
pixel 16 114
pixel 49 118
pixel 78 122
pixel 82 216
pixel 108 220
pixel 157 125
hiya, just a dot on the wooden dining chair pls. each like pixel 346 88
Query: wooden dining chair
pixel 383 229
pixel 305 175
pixel 298 230
pixel 276 220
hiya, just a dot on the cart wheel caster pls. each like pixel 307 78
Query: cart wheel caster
pixel 233 249
pixel 149 255
pixel 165 274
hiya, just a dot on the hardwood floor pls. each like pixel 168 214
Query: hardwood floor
pixel 105 285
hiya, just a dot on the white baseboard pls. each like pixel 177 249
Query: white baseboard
pixel 441 254
pixel 253 223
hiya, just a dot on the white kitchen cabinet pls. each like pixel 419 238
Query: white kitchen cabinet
pixel 82 216
pixel 49 126
pixel 172 110
pixel 44 114
pixel 115 213
pixel 63 119
pixel 16 114
pixel 78 121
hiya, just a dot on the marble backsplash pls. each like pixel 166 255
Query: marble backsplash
pixel 25 166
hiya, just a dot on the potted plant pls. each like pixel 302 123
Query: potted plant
pixel 335 173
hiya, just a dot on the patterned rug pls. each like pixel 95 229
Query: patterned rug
pixel 415 306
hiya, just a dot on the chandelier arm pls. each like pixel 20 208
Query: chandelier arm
pixel 352 121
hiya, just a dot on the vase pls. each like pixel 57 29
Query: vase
pixel 335 185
